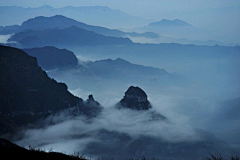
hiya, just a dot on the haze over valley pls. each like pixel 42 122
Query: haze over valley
pixel 105 80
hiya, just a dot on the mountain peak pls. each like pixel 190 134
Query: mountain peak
pixel 135 98
pixel 169 23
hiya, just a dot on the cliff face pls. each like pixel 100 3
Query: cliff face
pixel 135 98
pixel 27 93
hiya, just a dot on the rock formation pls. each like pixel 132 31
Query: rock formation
pixel 94 108
pixel 135 98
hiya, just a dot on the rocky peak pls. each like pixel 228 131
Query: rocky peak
pixel 93 107
pixel 90 98
pixel 135 98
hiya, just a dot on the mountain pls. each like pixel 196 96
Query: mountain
pixel 178 30
pixel 61 22
pixel 169 23
pixel 95 15
pixel 127 132
pixel 106 74
pixel 67 37
pixel 135 98
pixel 51 58
pixel 27 94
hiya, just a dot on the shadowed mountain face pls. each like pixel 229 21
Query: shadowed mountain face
pixel 135 98
pixel 68 37
pixel 51 58
pixel 28 94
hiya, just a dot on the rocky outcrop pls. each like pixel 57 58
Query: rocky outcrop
pixel 94 108
pixel 135 98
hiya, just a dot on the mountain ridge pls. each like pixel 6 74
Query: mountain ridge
pixel 72 36
pixel 94 15
pixel 27 94
pixel 170 23
pixel 61 22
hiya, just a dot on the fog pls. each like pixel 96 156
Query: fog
pixel 208 101
pixel 4 38
pixel 190 75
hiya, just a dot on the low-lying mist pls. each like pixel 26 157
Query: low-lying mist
pixel 207 102
pixel 65 133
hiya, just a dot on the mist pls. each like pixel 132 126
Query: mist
pixel 183 55
pixel 4 38
pixel 200 104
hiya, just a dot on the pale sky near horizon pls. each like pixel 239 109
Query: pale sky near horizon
pixel 134 7
pixel 220 17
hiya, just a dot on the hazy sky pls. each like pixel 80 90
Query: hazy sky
pixel 219 17
pixel 135 7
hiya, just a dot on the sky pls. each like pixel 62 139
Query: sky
pixel 134 7
pixel 219 17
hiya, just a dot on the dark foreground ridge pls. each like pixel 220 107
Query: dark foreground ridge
pixel 9 150
pixel 135 98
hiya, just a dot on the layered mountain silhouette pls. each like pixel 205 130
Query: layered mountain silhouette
pixel 178 31
pixel 95 15
pixel 61 22
pixel 67 37
pixel 169 23
pixel 103 74
pixel 49 58
pixel 28 94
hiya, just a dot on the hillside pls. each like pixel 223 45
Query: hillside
pixel 28 94
pixel 9 150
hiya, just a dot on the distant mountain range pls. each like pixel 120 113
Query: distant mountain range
pixel 106 74
pixel 179 31
pixel 94 15
pixel 61 22
pixel 169 23
pixel 176 31
pixel 67 37
pixel 51 24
